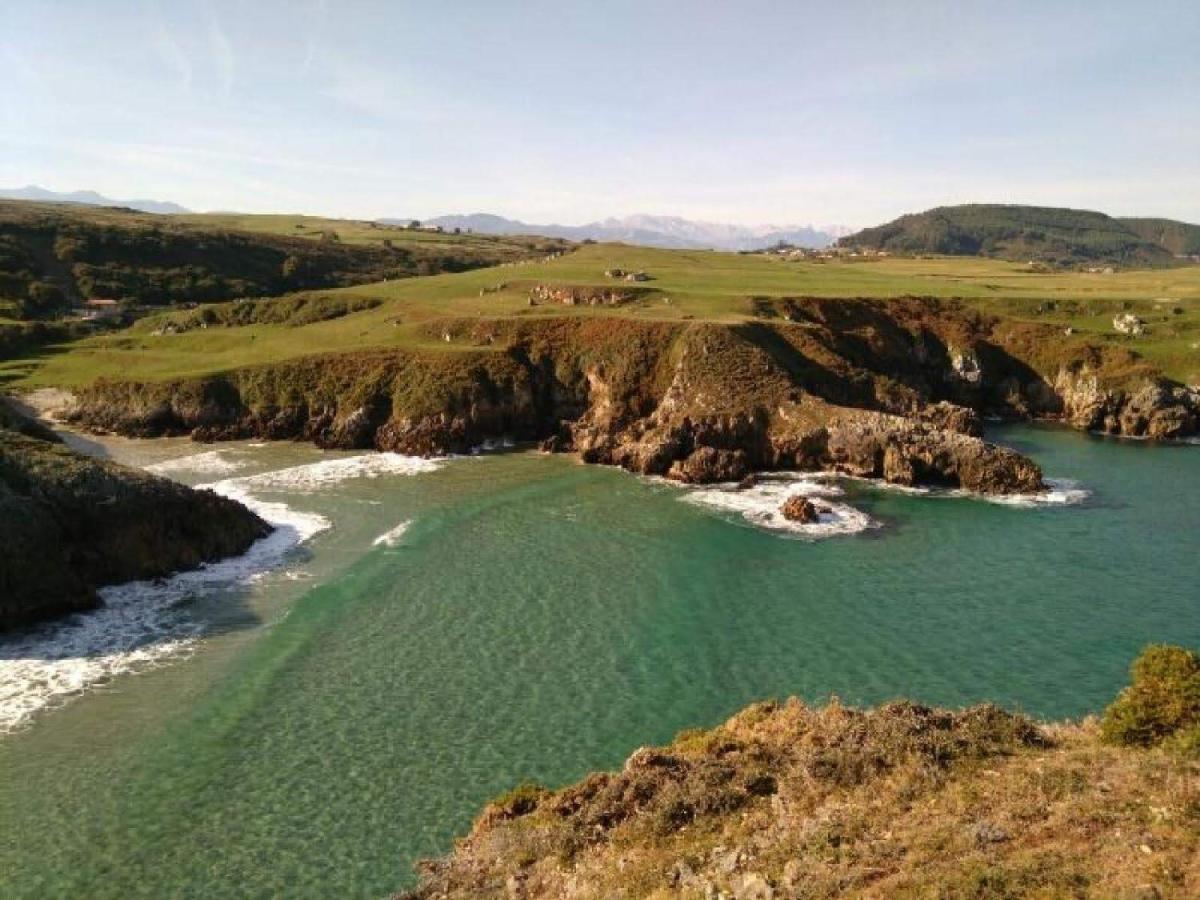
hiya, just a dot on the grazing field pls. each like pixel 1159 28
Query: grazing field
pixel 682 285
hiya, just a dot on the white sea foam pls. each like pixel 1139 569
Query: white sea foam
pixel 211 462
pixel 490 446
pixel 316 476
pixel 392 536
pixel 141 624
pixel 146 623
pixel 760 505
pixel 1063 492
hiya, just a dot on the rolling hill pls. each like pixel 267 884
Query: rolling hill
pixel 1051 235
pixel 1180 238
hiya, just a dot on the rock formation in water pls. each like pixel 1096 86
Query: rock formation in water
pixel 70 524
pixel 800 509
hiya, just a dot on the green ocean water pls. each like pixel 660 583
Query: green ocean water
pixel 539 619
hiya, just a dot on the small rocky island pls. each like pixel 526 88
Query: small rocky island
pixel 798 508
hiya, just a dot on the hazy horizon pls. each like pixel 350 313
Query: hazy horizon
pixel 785 114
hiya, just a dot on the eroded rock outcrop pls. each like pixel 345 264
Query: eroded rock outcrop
pixel 1146 407
pixel 697 403
pixel 787 801
pixel 908 452
pixel 888 390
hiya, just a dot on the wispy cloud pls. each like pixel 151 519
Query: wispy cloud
pixel 313 45
pixel 169 53
pixel 224 59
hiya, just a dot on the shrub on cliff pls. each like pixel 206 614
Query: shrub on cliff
pixel 1162 700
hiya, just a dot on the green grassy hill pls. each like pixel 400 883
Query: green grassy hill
pixel 684 286
pixel 1179 238
pixel 54 257
pixel 1065 237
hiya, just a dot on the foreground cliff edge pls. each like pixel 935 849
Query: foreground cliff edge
pixel 790 801
pixel 70 524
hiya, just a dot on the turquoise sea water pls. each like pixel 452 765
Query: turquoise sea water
pixel 538 619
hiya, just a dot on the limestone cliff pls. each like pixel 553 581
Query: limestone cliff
pixel 697 402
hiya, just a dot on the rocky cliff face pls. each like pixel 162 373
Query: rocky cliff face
pixel 1144 407
pixel 891 390
pixel 70 524
pixel 696 402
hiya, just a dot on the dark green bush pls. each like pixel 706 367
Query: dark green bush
pixel 1163 698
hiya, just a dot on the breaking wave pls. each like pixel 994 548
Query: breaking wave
pixel 1063 492
pixel 143 624
pixel 210 462
pixel 760 505
pixel 392 536
pixel 312 477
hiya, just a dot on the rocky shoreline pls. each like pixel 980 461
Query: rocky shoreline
pixel 70 524
pixel 882 390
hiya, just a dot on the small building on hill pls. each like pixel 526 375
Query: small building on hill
pixel 100 308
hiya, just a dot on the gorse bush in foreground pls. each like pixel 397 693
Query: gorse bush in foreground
pixel 1162 700
pixel 790 801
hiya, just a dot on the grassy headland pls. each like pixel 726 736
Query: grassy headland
pixel 697 365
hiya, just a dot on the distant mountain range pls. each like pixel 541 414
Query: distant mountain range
pixel 88 198
pixel 1033 233
pixel 651 231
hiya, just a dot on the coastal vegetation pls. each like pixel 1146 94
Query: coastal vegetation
pixel 1050 235
pixel 787 800
pixel 716 365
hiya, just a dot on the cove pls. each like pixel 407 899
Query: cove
pixel 538 619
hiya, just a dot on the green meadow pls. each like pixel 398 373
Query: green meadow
pixel 684 285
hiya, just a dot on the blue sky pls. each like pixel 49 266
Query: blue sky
pixel 752 112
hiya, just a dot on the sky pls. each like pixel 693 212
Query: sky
pixel 751 112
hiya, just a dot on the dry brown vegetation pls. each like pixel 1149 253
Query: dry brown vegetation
pixel 788 800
